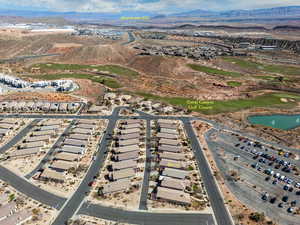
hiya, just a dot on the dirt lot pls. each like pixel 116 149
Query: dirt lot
pixel 32 96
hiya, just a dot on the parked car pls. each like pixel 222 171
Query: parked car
pixel 293 203
pixel 273 200
pixel 285 198
pixel 290 209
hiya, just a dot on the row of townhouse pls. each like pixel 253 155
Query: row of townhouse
pixel 38 106
pixel 70 152
pixel 126 156
pixel 172 179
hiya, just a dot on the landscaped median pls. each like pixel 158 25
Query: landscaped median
pixel 214 107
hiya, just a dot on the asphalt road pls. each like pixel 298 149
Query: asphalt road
pixel 50 152
pixel 221 214
pixel 146 218
pixel 144 192
pixel 82 191
pixel 30 189
pixel 19 136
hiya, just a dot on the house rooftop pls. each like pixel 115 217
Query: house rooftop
pixel 130 131
pixel 172 156
pixel 129 136
pixel 175 173
pixel 129 148
pixel 128 155
pixel 166 121
pixel 52 174
pixel 169 148
pixel 38 138
pixel 62 165
pixel 82 131
pixel 52 127
pixel 86 126
pixel 124 164
pixel 33 144
pixel 167 136
pixel 172 164
pixel 72 149
pixel 116 186
pixel 80 136
pixel 173 183
pixel 125 173
pixel 24 152
pixel 129 142
pixel 132 121
pixel 75 142
pixel 66 156
pixel 173 195
pixel 169 142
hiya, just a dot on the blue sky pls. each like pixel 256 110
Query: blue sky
pixel 158 6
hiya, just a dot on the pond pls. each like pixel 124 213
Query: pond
pixel 284 122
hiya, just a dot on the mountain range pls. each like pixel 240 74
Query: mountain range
pixel 289 11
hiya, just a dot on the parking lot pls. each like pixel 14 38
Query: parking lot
pixel 264 178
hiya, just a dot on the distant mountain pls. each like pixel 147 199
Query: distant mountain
pixel 94 16
pixel 195 13
pixel 268 12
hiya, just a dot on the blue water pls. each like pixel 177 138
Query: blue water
pixel 284 122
